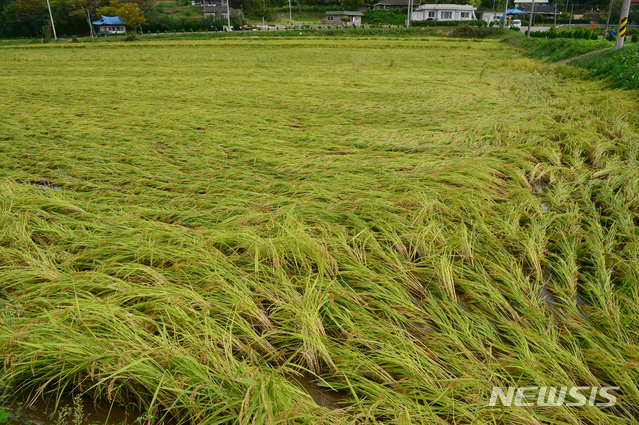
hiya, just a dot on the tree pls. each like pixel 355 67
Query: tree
pixel 128 12
pixel 81 7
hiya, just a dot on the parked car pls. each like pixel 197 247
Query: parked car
pixel 516 23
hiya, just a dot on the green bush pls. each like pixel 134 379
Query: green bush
pixel 74 39
pixel 634 38
pixel 594 36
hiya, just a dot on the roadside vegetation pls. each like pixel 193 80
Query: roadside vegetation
pixel 348 231
pixel 553 49
pixel 619 68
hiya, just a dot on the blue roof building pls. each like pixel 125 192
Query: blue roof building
pixel 110 25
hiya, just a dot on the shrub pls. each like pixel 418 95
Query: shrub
pixel 74 39
pixel 130 37
pixel 594 36
pixel 634 38
pixel 492 24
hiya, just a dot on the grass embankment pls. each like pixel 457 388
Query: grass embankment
pixel 553 50
pixel 620 68
pixel 189 224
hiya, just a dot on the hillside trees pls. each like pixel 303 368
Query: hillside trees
pixel 128 12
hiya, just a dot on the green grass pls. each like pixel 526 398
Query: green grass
pixel 557 49
pixel 619 68
pixel 186 224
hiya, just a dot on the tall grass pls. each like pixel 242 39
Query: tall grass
pixel 187 225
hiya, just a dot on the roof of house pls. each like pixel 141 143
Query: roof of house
pixel 393 3
pixel 215 9
pixel 541 8
pixel 109 20
pixel 343 13
pixel 530 1
pixel 445 7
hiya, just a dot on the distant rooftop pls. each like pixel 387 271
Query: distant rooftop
pixel 343 13
pixel 446 7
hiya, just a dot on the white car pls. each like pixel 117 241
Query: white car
pixel 516 23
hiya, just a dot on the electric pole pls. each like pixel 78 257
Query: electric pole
pixel 608 18
pixel 52 24
pixel 623 23
pixel 228 14
pixel 408 18
pixel 570 22
pixel 532 9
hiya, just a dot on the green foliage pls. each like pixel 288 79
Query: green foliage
pixel 555 49
pixel 74 39
pixel 635 38
pixel 594 36
pixel 384 16
pixel 4 416
pixel 619 68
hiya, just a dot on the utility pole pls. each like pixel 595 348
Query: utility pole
pixel 290 14
pixel 623 23
pixel 532 9
pixel 570 22
pixel 555 24
pixel 505 14
pixel 608 18
pixel 228 14
pixel 52 24
pixel 408 17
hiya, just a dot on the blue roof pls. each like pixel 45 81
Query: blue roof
pixel 514 11
pixel 109 20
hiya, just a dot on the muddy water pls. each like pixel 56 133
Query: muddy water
pixel 323 397
pixel 24 411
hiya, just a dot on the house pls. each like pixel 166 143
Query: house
pixel 444 12
pixel 541 9
pixel 488 15
pixel 110 25
pixel 208 3
pixel 343 17
pixel 391 4
pixel 521 4
pixel 216 11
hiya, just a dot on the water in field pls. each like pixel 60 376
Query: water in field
pixel 322 396
pixel 22 410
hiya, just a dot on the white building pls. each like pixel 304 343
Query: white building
pixel 444 12
pixel 489 15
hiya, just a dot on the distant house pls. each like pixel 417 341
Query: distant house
pixel 343 17
pixel 391 4
pixel 520 4
pixel 110 25
pixel 216 11
pixel 541 9
pixel 208 3
pixel 444 12
pixel 488 15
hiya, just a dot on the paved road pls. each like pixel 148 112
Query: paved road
pixel 524 28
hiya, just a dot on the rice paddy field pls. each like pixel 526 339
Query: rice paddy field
pixel 316 231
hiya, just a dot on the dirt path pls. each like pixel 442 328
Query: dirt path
pixel 578 56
